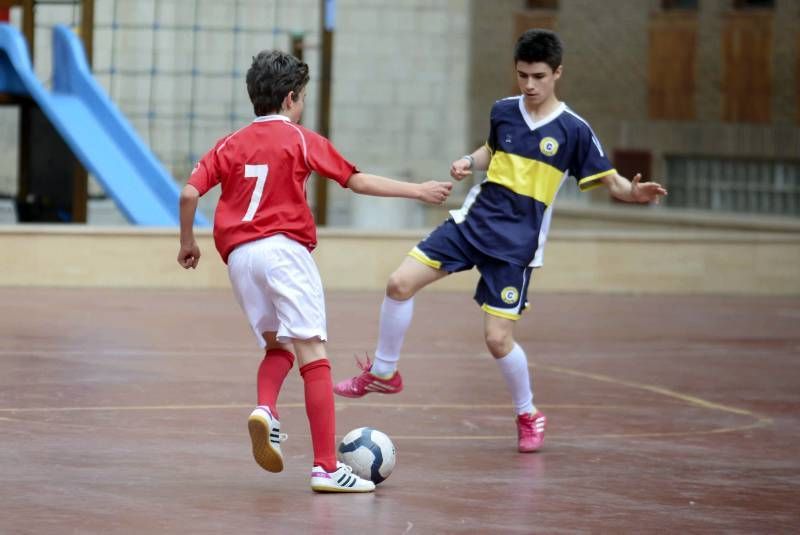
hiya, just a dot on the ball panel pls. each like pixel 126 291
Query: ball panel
pixel 369 452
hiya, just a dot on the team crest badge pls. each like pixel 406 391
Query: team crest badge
pixel 509 295
pixel 548 146
pixel 508 139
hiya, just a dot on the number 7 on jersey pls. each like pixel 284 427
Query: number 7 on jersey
pixel 259 172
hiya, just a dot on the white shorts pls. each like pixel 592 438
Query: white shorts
pixel 277 284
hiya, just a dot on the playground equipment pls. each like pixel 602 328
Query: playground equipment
pixel 73 129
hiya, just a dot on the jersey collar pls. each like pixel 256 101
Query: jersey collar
pixel 267 118
pixel 533 125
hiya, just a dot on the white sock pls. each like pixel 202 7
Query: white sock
pixel 514 367
pixel 395 319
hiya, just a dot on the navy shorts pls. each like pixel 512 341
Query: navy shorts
pixel 503 287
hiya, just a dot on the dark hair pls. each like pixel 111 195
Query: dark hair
pixel 539 46
pixel 270 78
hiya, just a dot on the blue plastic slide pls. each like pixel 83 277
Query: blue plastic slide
pixel 93 128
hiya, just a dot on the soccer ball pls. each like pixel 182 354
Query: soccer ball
pixel 369 452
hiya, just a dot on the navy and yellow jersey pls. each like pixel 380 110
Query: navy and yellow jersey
pixel 507 216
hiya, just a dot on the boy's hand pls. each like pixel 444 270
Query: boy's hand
pixel 646 192
pixel 189 255
pixel 434 192
pixel 460 169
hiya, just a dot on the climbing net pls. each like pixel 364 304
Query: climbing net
pixel 176 68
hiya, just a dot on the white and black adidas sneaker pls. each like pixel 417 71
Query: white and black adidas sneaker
pixel 342 480
pixel 266 436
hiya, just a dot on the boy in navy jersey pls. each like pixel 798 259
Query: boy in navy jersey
pixel 264 231
pixel 535 143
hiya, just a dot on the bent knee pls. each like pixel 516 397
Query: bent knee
pixel 499 343
pixel 271 340
pixel 399 288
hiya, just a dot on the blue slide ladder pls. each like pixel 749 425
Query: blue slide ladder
pixel 93 128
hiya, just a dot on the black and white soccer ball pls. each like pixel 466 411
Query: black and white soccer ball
pixel 369 452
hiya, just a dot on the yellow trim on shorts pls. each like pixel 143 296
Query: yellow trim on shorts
pixel 592 181
pixel 419 256
pixel 500 313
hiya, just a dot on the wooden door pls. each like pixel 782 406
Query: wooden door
pixel 747 43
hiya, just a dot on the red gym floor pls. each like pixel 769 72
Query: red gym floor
pixel 124 411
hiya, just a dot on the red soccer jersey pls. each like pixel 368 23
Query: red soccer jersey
pixel 263 169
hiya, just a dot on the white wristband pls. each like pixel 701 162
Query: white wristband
pixel 470 159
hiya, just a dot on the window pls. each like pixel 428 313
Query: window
pixel 734 185
pixel 628 162
pixel 541 4
pixel 753 4
pixel 668 5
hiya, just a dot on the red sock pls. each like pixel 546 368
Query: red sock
pixel 320 412
pixel 271 373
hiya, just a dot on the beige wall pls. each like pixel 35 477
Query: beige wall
pixel 414 82
pixel 674 261
pixel 399 99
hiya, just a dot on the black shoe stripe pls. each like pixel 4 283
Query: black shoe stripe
pixel 352 483
pixel 339 481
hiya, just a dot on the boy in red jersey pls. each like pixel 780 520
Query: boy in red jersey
pixel 264 231
pixel 535 143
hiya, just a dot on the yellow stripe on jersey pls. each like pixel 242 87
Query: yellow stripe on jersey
pixel 525 176
pixel 418 255
pixel 591 182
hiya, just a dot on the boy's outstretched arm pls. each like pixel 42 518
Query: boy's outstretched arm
pixel 189 253
pixel 633 190
pixel 432 192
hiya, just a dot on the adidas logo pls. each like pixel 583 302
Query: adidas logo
pixel 378 387
pixel 347 480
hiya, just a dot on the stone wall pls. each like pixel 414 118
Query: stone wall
pixel 669 261
pixel 414 82
pixel 605 79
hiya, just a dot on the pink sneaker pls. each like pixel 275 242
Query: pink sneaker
pixel 530 431
pixel 366 382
